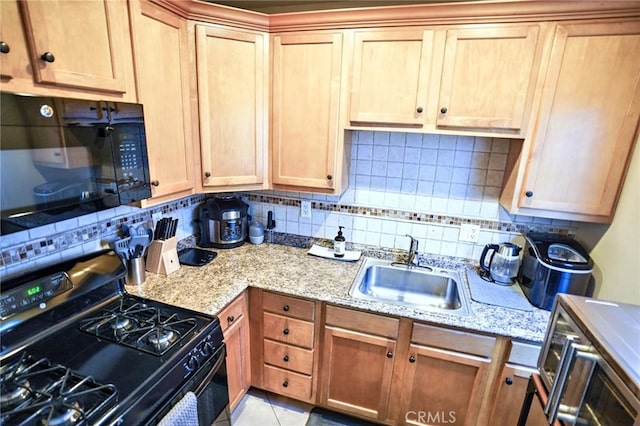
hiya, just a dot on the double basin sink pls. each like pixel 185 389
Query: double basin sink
pixel 412 286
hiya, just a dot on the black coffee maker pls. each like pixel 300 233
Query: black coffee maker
pixel 223 222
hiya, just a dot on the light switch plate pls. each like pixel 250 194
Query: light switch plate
pixel 305 209
pixel 469 232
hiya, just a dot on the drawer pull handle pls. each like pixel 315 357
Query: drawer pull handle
pixel 419 110
pixel 444 110
pixel 285 308
pixel 231 319
pixel 48 57
pixel 286 358
pixel 285 331
pixel 412 358
pixel 508 381
pixel 390 354
pixel 285 384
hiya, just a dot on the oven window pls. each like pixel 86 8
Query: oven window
pixel 604 405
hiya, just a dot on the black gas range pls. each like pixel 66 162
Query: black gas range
pixel 78 350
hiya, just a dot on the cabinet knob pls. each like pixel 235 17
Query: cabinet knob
pixel 528 194
pixel 207 174
pixel 155 182
pixel 508 381
pixel 286 358
pixel 390 354
pixel 4 47
pixel 285 384
pixel 329 177
pixel 444 110
pixel 419 110
pixel 231 318
pixel 412 358
pixel 48 57
pixel 285 331
pixel 285 308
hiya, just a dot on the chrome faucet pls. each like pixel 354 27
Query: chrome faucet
pixel 413 251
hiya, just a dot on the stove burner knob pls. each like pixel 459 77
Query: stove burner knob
pixel 206 349
pixel 192 364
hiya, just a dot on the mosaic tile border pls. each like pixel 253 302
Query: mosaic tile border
pixel 103 230
pixel 411 216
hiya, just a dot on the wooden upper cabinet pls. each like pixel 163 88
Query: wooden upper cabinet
pixel 305 106
pixel 79 44
pixel 161 52
pixel 587 123
pixel 392 70
pixel 488 78
pixel 232 83
pixel 14 56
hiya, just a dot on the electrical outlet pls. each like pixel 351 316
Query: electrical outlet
pixel 305 209
pixel 469 232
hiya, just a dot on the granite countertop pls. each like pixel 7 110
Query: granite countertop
pixel 289 270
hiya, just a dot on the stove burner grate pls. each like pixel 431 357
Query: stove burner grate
pixel 36 392
pixel 139 326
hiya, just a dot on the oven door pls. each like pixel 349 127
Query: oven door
pixel 210 386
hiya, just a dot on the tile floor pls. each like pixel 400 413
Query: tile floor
pixel 260 408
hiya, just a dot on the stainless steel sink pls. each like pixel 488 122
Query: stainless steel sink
pixel 384 281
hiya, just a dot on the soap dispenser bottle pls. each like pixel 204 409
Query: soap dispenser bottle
pixel 339 244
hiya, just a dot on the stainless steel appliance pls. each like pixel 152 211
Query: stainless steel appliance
pixel 223 222
pixel 553 264
pixel 589 364
pixel 61 158
pixel 503 264
pixel 77 349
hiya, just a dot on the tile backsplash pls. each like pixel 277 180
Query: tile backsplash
pixel 400 183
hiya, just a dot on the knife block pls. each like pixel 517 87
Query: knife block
pixel 162 257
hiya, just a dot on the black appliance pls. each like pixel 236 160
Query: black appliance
pixel 77 349
pixel 62 158
pixel 554 264
pixel 223 222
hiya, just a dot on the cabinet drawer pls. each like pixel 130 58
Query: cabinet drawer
pixel 454 340
pixel 362 321
pixel 288 306
pixel 288 383
pixel 233 312
pixel 288 330
pixel 289 357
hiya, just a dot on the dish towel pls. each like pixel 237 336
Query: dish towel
pixel 184 413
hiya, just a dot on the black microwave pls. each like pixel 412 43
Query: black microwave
pixel 61 158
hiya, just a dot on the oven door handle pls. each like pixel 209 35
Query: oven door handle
pixel 556 410
pixel 568 413
pixel 561 376
pixel 220 357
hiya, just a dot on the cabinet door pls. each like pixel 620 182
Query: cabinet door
pixel 14 56
pixel 391 74
pixel 232 101
pixel 488 77
pixel 235 327
pixel 588 118
pixel 160 43
pixel 510 396
pixel 442 386
pixel 306 89
pixel 357 372
pixel 78 43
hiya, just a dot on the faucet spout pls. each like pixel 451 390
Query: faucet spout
pixel 413 251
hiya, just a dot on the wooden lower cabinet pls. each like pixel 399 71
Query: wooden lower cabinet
pixel 235 328
pixel 357 365
pixel 442 386
pixel 512 387
pixel 284 333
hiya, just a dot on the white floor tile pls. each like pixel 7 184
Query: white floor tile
pixel 259 408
